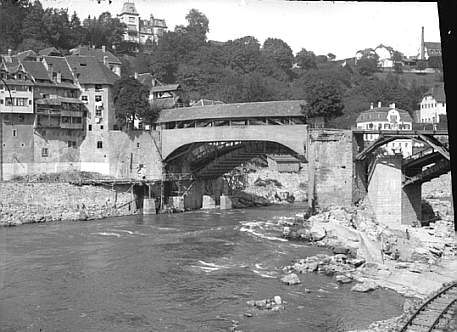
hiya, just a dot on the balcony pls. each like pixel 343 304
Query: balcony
pixel 71 126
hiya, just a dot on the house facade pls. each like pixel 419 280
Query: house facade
pixel 138 30
pixel 433 105
pixel 387 118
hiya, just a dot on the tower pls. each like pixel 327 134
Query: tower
pixel 422 48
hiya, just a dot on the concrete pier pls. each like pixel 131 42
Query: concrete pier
pixel 208 202
pixel 226 202
pixel 176 203
pixel 149 206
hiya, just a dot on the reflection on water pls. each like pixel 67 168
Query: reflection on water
pixel 182 272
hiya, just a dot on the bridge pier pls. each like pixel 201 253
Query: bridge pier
pixel 393 204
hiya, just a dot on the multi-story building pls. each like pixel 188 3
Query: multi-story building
pixel 95 81
pixel 433 105
pixel 387 118
pixel 138 30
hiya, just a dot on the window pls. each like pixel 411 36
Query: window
pixel 14 132
pixel 98 98
pixel 101 127
pixel 30 101
pixel 20 118
pixel 84 98
pixel 44 152
pixel 1 101
pixel 76 120
pixel 9 101
pixel 131 19
pixel 137 145
pixel 386 126
pixel 71 144
pixel 98 112
pixel 65 119
pixel 21 101
pixel 98 86
pixel 99 145
pixel 90 127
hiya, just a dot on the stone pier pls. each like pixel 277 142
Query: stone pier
pixel 149 206
pixel 176 203
pixel 208 202
pixel 226 202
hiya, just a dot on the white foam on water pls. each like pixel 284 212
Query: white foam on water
pixel 263 274
pixel 259 266
pixel 206 268
pixel 108 234
pixel 122 230
pixel 272 238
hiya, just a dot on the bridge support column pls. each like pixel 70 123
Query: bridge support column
pixel 226 202
pixel 411 204
pixel 176 203
pixel 149 206
pixel 392 204
pixel 208 202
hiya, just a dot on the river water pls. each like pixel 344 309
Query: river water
pixel 182 272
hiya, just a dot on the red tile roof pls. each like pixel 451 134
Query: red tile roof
pixel 59 64
pixel 96 52
pixel 37 70
pixel 380 114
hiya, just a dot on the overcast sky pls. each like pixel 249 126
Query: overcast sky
pixel 340 27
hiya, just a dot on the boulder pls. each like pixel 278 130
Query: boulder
pixel 317 232
pixel 364 287
pixel 343 279
pixel 356 262
pixel 291 279
pixel 277 299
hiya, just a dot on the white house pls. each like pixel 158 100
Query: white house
pixel 387 118
pixel 433 105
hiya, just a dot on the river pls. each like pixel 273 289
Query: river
pixel 182 272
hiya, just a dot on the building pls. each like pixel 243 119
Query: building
pixel 433 105
pixel 205 102
pixel 95 82
pixel 138 30
pixel 162 95
pixel 428 49
pixel 387 118
pixel 102 55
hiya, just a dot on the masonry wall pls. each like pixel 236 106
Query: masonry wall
pixel 411 200
pixel 385 192
pixel 330 165
pixel 122 155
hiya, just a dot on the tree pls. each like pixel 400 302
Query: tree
pixel 323 99
pixel 198 24
pixel 306 60
pixel 331 56
pixel 77 31
pixel 32 26
pixel 435 62
pixel 243 54
pixel 421 64
pixel 105 30
pixel 280 52
pixel 131 100
pixel 367 65
pixel 12 14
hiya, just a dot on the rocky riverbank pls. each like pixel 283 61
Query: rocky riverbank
pixel 24 203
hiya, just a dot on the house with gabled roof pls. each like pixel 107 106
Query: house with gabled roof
pixel 433 105
pixel 102 55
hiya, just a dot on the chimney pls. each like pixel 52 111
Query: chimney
pixel 392 105
pixel 136 75
pixel 105 60
pixel 51 71
pixel 103 48
pixel 9 52
pixel 379 104
pixel 59 77
pixel 371 106
pixel 422 49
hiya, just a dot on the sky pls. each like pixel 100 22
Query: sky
pixel 341 28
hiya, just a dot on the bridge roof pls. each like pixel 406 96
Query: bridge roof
pixel 234 111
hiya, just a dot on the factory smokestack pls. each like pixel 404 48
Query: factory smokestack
pixel 422 51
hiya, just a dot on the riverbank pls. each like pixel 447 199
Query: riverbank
pixel 26 203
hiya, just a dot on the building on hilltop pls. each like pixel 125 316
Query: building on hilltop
pixel 433 105
pixel 162 95
pixel 387 118
pixel 428 49
pixel 102 55
pixel 138 30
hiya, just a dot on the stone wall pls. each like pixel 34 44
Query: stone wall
pixel 39 202
pixel 330 166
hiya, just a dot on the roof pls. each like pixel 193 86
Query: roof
pixel 148 80
pixel 164 103
pixel 437 92
pixel 23 55
pixel 36 69
pixel 89 71
pixel 50 51
pixel 166 87
pixel 129 8
pixel 11 62
pixel 63 85
pixel 205 102
pixel 241 110
pixel 59 64
pixel 380 113
pixel 96 52
pixel 433 45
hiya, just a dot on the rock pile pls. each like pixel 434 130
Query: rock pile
pixel 273 304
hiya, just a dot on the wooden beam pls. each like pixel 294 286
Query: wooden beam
pixel 437 145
